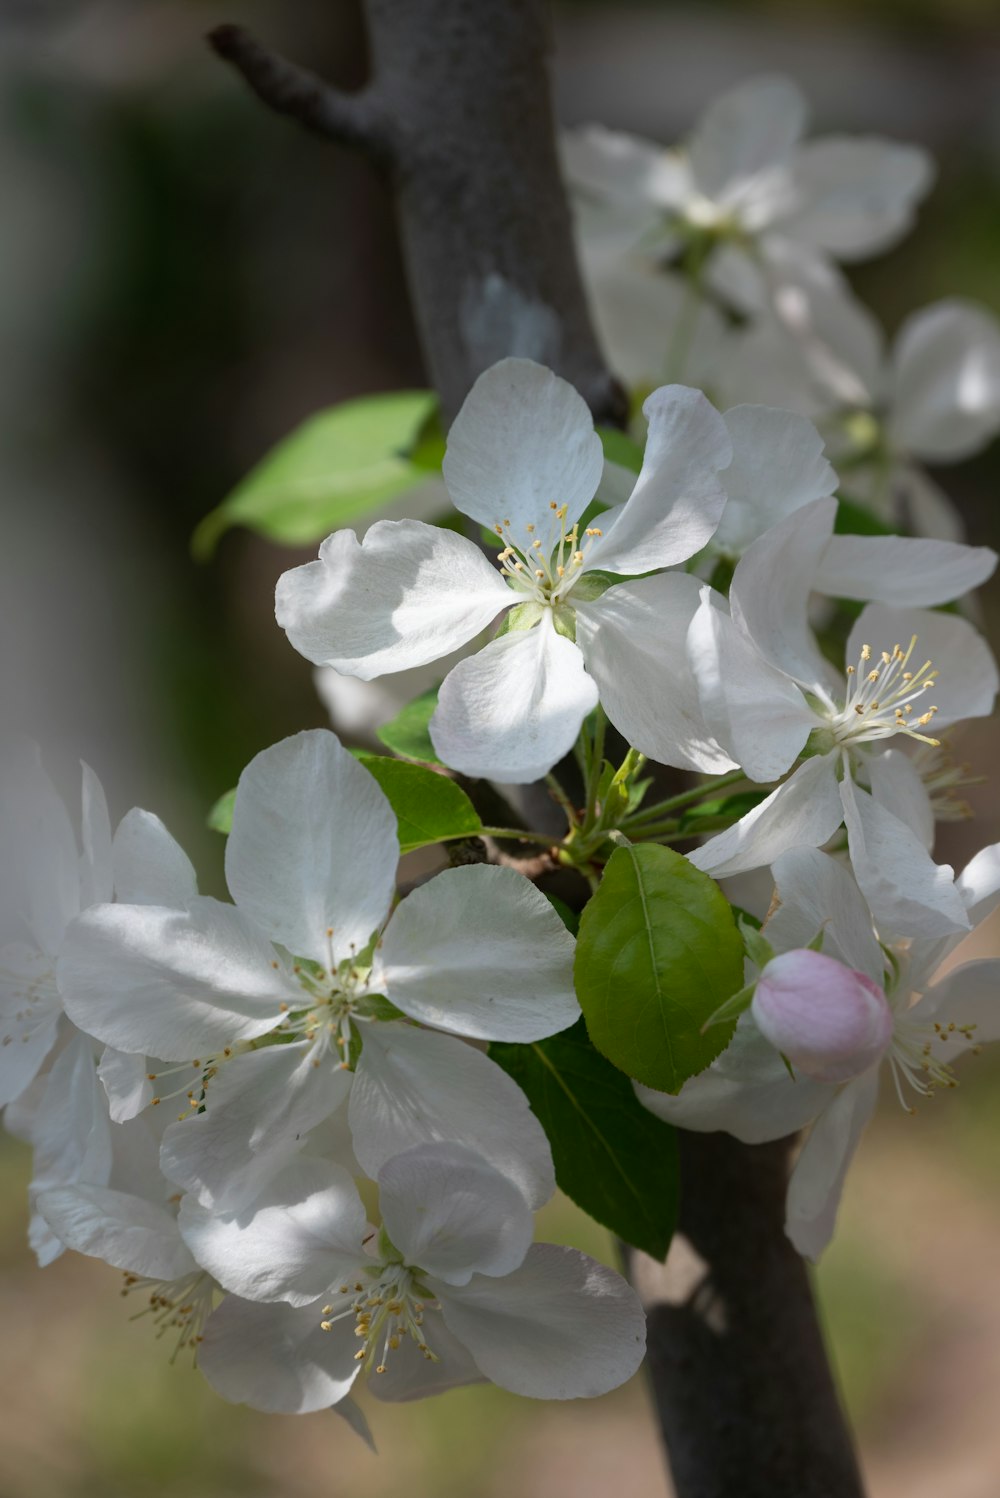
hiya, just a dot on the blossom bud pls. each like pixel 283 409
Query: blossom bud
pixel 831 1022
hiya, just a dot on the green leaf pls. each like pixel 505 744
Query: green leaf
pixel 337 467
pixel 732 807
pixel 658 952
pixel 428 806
pixel 407 733
pixel 220 818
pixel 612 1157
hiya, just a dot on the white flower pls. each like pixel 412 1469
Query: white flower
pixel 48 1068
pixel 935 1020
pixel 746 193
pixel 767 693
pixel 305 957
pixel 934 397
pixel 451 1290
pixel 524 460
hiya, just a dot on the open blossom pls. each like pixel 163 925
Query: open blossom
pixel 935 1019
pixel 768 695
pixel 523 460
pixel 934 397
pixel 749 194
pixel 308 956
pixel 450 1291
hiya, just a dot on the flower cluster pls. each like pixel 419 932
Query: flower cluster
pixel 291 1119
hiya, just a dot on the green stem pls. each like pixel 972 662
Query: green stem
pixel 686 798
pixel 593 779
pixel 505 834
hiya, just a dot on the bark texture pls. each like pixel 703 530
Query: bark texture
pixel 458 116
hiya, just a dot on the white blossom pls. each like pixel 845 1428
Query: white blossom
pixel 450 1290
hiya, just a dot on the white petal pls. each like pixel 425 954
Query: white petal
pixel 746 1092
pixel 409 1375
pixel 95 831
pixel 901 571
pixel 41 862
pixel 277 1358
pixel 449 1211
pixel 71 1131
pixel 407 594
pixel 125 1231
pixel 259 1111
pixel 946 381
pixel 909 894
pixel 817 893
pixel 560 1327
pixel 818 1177
pixel 125 1079
pixel 979 883
pixel 855 195
pixel 29 1016
pixel 755 711
pixel 414 1086
pixel 313 850
pixel 778 466
pixel 678 497
pixel 150 866
pixel 746 131
pixel 896 784
pixel 512 711
pixel 294 1242
pixel 968 996
pixel 479 951
pixel 637 308
pixel 769 596
pixel 802 813
pixel 967 674
pixel 171 983
pixel 625 169
pixel 523 439
pixel 633 640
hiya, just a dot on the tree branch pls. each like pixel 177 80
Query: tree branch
pixel 351 119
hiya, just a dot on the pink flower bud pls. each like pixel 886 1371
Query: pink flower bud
pixel 831 1022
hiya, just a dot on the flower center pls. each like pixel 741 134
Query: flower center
pixel 29 981
pixel 943 777
pixel 914 1060
pixel 880 698
pixel 176 1306
pixel 387 1309
pixel 545 568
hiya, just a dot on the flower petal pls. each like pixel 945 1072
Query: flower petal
pixel 817 893
pixel 855 195
pixel 968 997
pixel 295 1242
pixel 560 1327
pixel 900 570
pixel 171 983
pixel 909 894
pixel 313 850
pixel 802 813
pixel 29 1016
pixel 946 381
pixel 756 712
pixel 818 1177
pixel 407 594
pixel 633 305
pixel 95 831
pixel 512 711
pixel 979 883
pixel 967 674
pixel 410 1375
pixel 523 439
pixel 896 784
pixel 277 1358
pixel 413 1086
pixel 769 596
pixel 125 1231
pixel 623 169
pixel 150 866
pixel 678 497
pixel 778 466
pixel 479 951
pixel 633 640
pixel 258 1113
pixel 125 1078
pixel 748 130
pixel 746 1092
pixel 446 1209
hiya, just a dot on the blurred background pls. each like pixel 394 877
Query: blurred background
pixel 182 279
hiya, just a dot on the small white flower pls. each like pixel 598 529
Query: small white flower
pixel 305 957
pixel 745 191
pixel 766 692
pixel 935 1020
pixel 523 460
pixel 451 1290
